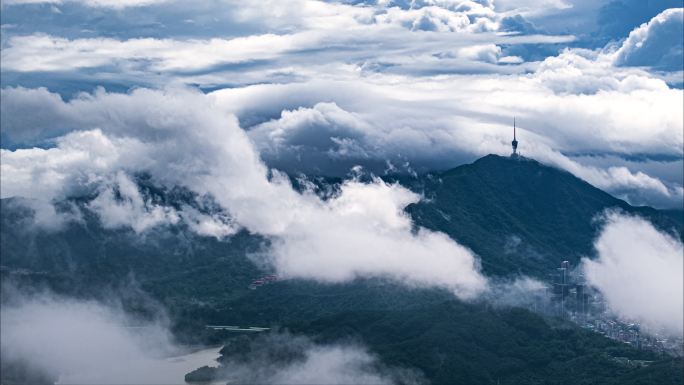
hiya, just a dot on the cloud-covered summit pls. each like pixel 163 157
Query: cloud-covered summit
pixel 360 232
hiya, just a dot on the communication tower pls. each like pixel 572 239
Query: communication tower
pixel 514 143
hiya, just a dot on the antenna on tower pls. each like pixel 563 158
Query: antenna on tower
pixel 514 143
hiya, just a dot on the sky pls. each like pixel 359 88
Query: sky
pixel 394 86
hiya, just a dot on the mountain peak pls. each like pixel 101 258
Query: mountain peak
pixel 520 215
pixel 494 160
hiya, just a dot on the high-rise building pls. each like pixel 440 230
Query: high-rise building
pixel 561 285
pixel 581 299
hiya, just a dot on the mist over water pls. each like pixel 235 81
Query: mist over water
pixel 88 342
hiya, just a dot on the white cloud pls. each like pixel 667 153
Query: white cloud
pixel 43 215
pixel 84 342
pixel 556 16
pixel 488 53
pixel 442 19
pixel 114 4
pixel 48 53
pixel 657 43
pixel 364 232
pixel 637 187
pixel 181 138
pixel 575 103
pixel 325 127
pixel 19 119
pixel 331 365
pixel 302 14
pixel 180 58
pixel 79 163
pixel 118 4
pixel 20 2
pixel 120 204
pixel 639 272
pixel 283 358
pixel 218 225
pixel 520 292
pixel 289 31
pixel 581 71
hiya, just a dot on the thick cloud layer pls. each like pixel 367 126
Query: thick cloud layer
pixel 639 272
pixel 181 138
pixel 324 86
pixel 265 41
pixel 575 103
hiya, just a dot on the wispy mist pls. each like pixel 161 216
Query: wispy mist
pixel 88 342
pixel 85 341
pixel 639 272
pixel 284 358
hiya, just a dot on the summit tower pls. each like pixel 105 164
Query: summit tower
pixel 514 143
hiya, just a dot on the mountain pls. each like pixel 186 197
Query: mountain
pixel 519 215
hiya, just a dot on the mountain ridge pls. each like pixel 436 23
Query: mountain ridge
pixel 200 280
pixel 521 215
